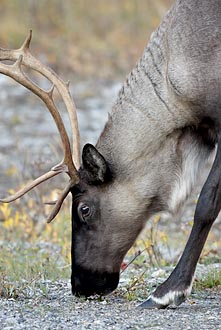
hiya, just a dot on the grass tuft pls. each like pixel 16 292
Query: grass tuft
pixel 211 280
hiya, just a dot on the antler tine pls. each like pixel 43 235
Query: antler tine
pixel 30 186
pixel 22 56
pixel 59 202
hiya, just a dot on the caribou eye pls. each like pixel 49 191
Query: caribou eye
pixel 84 211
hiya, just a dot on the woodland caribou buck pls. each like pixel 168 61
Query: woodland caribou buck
pixel 165 124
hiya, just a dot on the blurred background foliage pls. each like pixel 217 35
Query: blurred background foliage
pixel 89 38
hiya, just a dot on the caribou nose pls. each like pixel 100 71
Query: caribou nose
pixel 86 283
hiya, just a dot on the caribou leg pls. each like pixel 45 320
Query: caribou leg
pixel 179 284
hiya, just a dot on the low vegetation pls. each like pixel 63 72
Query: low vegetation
pixel 30 252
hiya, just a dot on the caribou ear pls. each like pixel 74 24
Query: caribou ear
pixel 95 165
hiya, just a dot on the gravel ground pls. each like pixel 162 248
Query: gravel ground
pixel 60 310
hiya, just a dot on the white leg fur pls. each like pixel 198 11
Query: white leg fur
pixel 172 296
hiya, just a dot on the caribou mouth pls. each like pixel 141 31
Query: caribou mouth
pixel 86 283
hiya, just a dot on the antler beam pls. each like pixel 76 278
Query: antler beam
pixel 23 57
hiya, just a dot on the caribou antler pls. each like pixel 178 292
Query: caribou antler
pixel 23 57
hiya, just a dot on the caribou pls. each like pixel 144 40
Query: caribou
pixel 164 125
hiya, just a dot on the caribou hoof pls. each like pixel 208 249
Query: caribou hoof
pixel 151 304
pixel 174 298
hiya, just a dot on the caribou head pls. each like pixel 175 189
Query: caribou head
pixel 100 232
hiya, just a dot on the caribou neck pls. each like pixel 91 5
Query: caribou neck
pixel 147 131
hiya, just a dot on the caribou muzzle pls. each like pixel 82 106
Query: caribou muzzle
pixel 87 283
